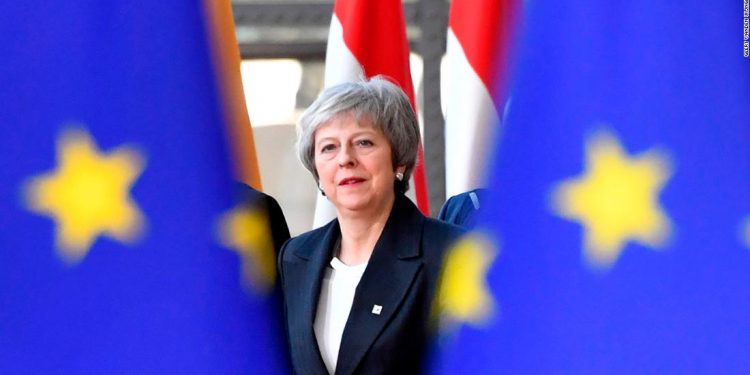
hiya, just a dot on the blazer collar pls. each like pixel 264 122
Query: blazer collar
pixel 394 263
pixel 404 226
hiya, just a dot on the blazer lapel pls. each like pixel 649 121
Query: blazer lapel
pixel 305 277
pixel 394 263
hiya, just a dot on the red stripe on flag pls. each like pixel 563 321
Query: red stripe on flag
pixel 375 33
pixel 483 28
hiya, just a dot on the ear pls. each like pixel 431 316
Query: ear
pixel 401 168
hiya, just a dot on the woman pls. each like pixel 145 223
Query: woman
pixel 358 291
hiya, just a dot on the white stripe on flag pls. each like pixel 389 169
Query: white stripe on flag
pixel 470 122
pixel 341 65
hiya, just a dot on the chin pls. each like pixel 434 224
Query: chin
pixel 351 205
pixel 353 202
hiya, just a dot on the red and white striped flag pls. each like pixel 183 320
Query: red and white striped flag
pixel 368 38
pixel 477 54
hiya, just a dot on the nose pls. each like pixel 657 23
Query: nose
pixel 346 157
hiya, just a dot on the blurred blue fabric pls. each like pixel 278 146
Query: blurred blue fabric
pixel 170 300
pixel 660 86
pixel 463 209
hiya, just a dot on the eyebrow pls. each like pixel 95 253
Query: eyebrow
pixel 354 135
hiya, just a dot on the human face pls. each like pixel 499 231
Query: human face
pixel 353 161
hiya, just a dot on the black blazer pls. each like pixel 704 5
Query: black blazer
pixel 401 276
pixel 256 200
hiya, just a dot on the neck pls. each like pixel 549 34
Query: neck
pixel 360 232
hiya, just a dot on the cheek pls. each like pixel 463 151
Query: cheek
pixel 323 170
pixel 385 173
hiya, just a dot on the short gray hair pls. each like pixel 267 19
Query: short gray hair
pixel 382 102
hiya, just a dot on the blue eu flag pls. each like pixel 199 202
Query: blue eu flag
pixel 119 226
pixel 617 237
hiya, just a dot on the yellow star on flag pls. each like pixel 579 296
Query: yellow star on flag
pixel 616 200
pixel 463 294
pixel 87 195
pixel 246 230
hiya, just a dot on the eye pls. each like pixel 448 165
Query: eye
pixel 327 147
pixel 364 143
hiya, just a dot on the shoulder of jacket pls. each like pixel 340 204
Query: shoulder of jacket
pixel 437 238
pixel 442 229
pixel 304 240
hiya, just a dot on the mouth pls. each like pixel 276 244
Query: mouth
pixel 350 181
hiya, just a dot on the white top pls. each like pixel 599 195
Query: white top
pixel 336 297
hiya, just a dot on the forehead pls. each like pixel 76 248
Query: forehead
pixel 346 124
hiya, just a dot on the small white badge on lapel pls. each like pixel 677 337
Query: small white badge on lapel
pixel 376 309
